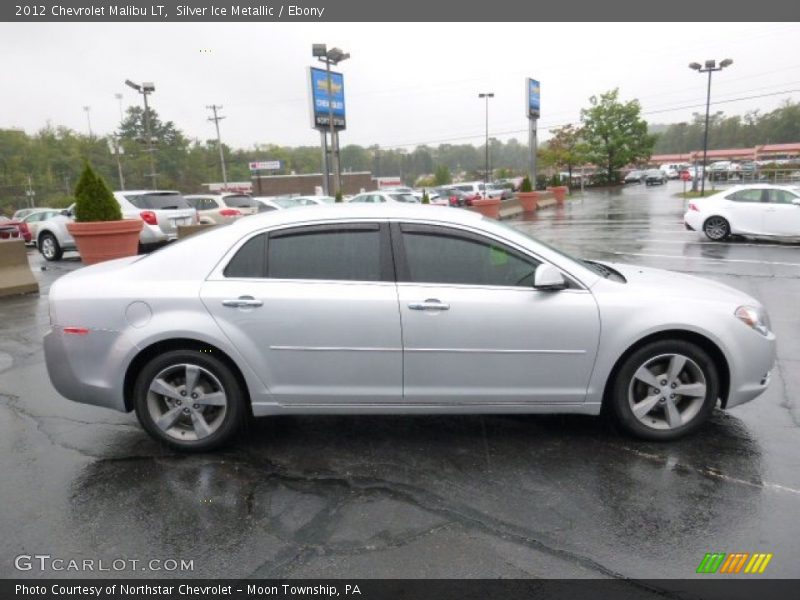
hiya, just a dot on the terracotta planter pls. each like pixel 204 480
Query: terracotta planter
pixel 528 200
pixel 488 207
pixel 106 240
pixel 559 192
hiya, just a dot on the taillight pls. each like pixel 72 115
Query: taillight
pixel 230 212
pixel 693 206
pixel 77 330
pixel 149 217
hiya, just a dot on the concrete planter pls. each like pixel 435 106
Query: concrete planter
pixel 488 207
pixel 559 192
pixel 185 231
pixel 106 240
pixel 528 200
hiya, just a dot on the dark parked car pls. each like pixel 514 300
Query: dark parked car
pixel 655 176
pixel 635 177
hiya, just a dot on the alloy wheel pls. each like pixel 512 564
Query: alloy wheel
pixel 716 228
pixel 187 402
pixel 667 391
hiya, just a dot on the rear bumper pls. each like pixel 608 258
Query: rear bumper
pixel 87 368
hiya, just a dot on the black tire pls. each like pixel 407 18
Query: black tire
pixel 654 425
pixel 717 228
pixel 49 247
pixel 227 420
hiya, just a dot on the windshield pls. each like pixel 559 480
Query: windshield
pixel 241 201
pixel 286 202
pixel 158 200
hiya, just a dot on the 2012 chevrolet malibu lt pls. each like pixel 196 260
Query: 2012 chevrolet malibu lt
pixel 398 309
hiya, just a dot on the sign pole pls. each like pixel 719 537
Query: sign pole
pixel 325 172
pixel 532 144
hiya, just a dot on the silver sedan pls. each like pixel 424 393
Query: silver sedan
pixel 358 309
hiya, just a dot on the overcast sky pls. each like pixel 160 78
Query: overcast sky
pixel 406 83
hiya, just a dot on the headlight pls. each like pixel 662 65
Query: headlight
pixel 754 317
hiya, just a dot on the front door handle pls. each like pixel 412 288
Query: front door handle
pixel 429 304
pixel 242 302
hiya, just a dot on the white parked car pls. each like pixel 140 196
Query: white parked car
pixel 385 198
pixel 752 210
pixel 34 219
pixel 222 208
pixel 161 211
pixel 396 309
pixel 477 189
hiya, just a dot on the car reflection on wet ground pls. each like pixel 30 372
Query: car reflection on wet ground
pixel 455 496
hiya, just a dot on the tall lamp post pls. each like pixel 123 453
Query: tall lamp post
pixel 331 57
pixel 709 67
pixel 486 96
pixel 144 89
pixel 88 118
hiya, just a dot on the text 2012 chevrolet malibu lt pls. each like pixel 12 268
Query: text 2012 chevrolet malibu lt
pixel 396 309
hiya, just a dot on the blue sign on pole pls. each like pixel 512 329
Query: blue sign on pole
pixel 323 99
pixel 533 99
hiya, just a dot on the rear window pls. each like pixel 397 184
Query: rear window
pixel 241 201
pixel 404 198
pixel 158 201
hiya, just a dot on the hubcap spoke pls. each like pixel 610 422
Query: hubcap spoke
pixel 215 399
pixel 673 415
pixel 645 406
pixel 168 419
pixel 192 375
pixel 676 365
pixel 644 374
pixel 201 428
pixel 694 390
pixel 159 386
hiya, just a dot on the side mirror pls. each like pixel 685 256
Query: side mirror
pixel 547 277
pixel 66 212
pixel 796 201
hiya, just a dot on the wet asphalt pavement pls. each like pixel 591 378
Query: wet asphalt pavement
pixel 454 496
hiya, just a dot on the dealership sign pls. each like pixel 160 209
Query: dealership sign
pixel 532 97
pixel 325 101
pixel 266 165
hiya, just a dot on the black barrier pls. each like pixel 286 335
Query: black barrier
pixel 404 589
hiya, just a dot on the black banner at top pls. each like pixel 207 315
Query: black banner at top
pixel 391 10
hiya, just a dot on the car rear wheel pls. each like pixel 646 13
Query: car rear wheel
pixel 49 247
pixel 665 390
pixel 189 400
pixel 716 228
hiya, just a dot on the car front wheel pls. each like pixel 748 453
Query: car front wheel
pixel 49 247
pixel 716 228
pixel 189 400
pixel 665 390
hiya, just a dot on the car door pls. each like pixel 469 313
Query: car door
pixel 475 331
pixel 781 215
pixel 314 312
pixel 745 210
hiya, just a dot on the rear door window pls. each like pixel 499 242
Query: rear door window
pixel 241 201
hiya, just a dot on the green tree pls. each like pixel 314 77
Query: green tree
pixel 94 200
pixel 442 175
pixel 615 133
pixel 566 149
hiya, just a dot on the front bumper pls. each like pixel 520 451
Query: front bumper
pixel 751 364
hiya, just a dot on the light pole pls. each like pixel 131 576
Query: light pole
pixel 710 67
pixel 119 100
pixel 88 118
pixel 144 89
pixel 486 96
pixel 331 57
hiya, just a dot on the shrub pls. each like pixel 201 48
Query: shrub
pixel 339 197
pixel 526 185
pixel 94 200
pixel 555 180
pixel 425 198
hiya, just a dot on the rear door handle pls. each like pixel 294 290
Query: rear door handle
pixel 429 304
pixel 242 301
